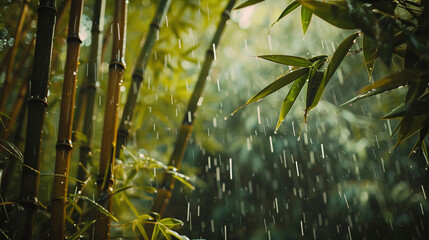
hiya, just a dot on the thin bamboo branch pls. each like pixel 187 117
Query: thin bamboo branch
pixel 91 87
pixel 164 192
pixel 107 157
pixel 138 73
pixel 64 144
pixel 11 63
pixel 37 104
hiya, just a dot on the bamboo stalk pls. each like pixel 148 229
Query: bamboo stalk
pixel 11 63
pixel 37 104
pixel 138 73
pixel 167 185
pixel 64 143
pixel 107 157
pixel 90 86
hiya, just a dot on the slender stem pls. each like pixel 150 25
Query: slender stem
pixel 64 143
pixel 11 63
pixel 138 73
pixel 164 193
pixel 37 104
pixel 107 157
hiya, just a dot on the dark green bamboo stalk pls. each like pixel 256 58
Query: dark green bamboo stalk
pixel 37 104
pixel 107 156
pixel 7 86
pixel 138 73
pixel 164 192
pixel 90 86
pixel 64 144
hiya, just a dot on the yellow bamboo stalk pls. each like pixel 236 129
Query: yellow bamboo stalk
pixel 64 143
pixel 105 179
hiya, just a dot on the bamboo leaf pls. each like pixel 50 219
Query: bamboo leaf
pixel 171 222
pixel 248 3
pixel 314 92
pixel 155 232
pixel 369 54
pixel 287 60
pixel 164 231
pixel 78 234
pixel 292 6
pixel 332 13
pixel 275 86
pixel 392 81
pixel 182 178
pixel 174 234
pixel 290 99
pixel 409 126
pixel 306 16
pixel 396 113
pixel 339 55
pixel 98 206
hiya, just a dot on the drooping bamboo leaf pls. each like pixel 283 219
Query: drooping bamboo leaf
pixel 306 16
pixel 292 6
pixel 425 152
pixel 78 234
pixel 290 98
pixel 339 55
pixel 248 3
pixel 155 232
pixel 275 86
pixel 392 81
pixel 163 230
pixel 409 126
pixel 175 234
pixel 369 53
pixel 171 222
pixel 396 113
pixel 98 206
pixel 332 13
pixel 287 60
pixel 315 90
pixel 182 178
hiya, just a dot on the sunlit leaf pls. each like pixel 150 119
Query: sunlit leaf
pixel 182 178
pixel 334 14
pixel 292 6
pixel 306 16
pixel 171 222
pixel 164 231
pixel 287 60
pixel 339 55
pixel 392 81
pixel 290 98
pixel 248 3
pixel 78 234
pixel 98 206
pixel 276 85
pixel 175 234
pixel 369 53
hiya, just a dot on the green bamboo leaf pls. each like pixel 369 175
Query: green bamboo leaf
pixel 287 60
pixel 306 16
pixel 78 234
pixel 171 222
pixel 409 126
pixel 155 232
pixel 290 99
pixel 369 54
pixel 275 86
pixel 317 58
pixel 182 178
pixel 292 6
pixel 315 90
pixel 392 81
pixel 175 234
pixel 397 112
pixel 339 55
pixel 164 231
pixel 332 13
pixel 425 152
pixel 98 206
pixel 248 3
